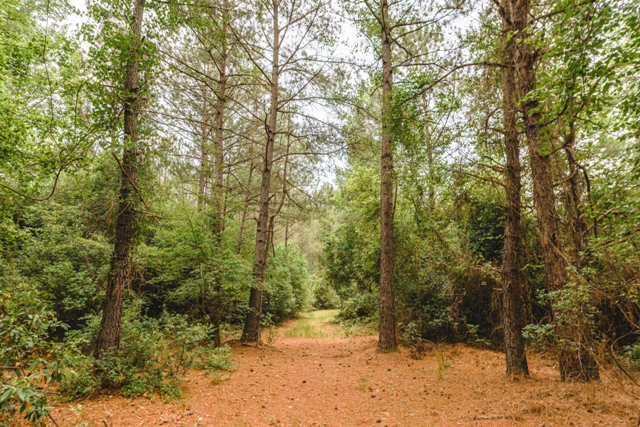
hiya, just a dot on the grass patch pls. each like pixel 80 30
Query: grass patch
pixel 305 330
pixel 314 324
pixel 324 324
pixel 444 362
pixel 358 329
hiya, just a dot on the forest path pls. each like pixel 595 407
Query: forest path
pixel 312 375
pixel 313 324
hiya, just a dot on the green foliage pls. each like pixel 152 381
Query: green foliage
pixel 540 336
pixel 287 284
pixel 41 95
pixel 186 270
pixel 351 252
pixel 68 263
pixel 486 230
pixel 213 360
pixel 351 258
pixel 574 312
pixel 111 43
pixel 443 288
pixel 360 306
pixel 412 334
pixel 632 355
pixel 428 300
pixel 29 358
pixel 324 296
pixel 153 356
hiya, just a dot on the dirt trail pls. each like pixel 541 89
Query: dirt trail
pixel 314 376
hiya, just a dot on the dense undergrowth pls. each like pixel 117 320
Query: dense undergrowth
pixel 54 260
pixel 448 271
pixel 153 357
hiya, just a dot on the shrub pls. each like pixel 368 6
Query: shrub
pixel 486 229
pixel 359 306
pixel 64 261
pixel 213 360
pixel 325 296
pixel 632 355
pixel 194 275
pixel 29 358
pixel 153 356
pixel 427 303
pixel 286 289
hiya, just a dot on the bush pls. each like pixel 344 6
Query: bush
pixel 213 360
pixel 188 273
pixel 153 356
pixel 29 358
pixel 65 262
pixel 286 289
pixel 486 229
pixel 324 296
pixel 359 307
pixel 475 311
pixel 632 355
pixel 427 303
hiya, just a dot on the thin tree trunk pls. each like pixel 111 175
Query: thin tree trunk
pixel 219 195
pixel 387 341
pixel 247 199
pixel 219 126
pixel 286 236
pixel 512 316
pixel 276 212
pixel 431 192
pixel 578 232
pixel 573 191
pixel 252 321
pixel 272 225
pixel 119 274
pixel 574 363
pixel 204 149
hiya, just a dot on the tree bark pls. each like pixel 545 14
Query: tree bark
pixel 574 362
pixel 219 126
pixel 578 232
pixel 126 227
pixel 387 341
pixel 247 199
pixel 251 333
pixel 205 128
pixel 573 200
pixel 512 316
pixel 219 195
pixel 431 189
pixel 286 236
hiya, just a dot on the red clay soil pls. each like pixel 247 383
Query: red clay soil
pixel 344 382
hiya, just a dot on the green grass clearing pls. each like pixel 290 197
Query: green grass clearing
pixel 355 329
pixel 323 324
pixel 314 324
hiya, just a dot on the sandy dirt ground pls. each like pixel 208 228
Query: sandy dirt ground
pixel 332 380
